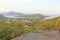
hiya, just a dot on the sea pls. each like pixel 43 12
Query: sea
pixel 50 17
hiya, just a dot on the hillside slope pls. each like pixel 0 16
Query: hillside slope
pixel 51 24
pixel 44 32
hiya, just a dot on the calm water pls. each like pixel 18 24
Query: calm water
pixel 51 17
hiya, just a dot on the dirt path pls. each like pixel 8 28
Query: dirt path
pixel 40 35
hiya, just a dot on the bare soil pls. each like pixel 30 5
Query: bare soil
pixel 40 35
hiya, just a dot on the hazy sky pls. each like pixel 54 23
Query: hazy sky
pixel 47 7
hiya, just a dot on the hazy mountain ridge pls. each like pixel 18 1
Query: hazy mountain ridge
pixel 2 18
pixel 17 14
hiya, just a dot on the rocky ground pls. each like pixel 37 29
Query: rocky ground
pixel 40 35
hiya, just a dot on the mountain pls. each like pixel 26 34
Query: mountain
pixel 22 15
pixel 31 16
pixel 50 24
pixel 2 18
pixel 12 13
